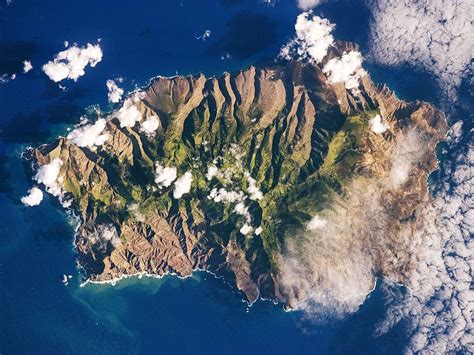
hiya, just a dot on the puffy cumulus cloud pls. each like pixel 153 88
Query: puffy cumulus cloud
pixel 223 195
pixel 316 223
pixel 246 229
pixel 27 66
pixel 212 171
pixel 70 63
pixel 252 189
pixel 164 176
pixel 312 41
pixel 434 35
pixel 377 125
pixel 128 114
pixel 238 197
pixel 90 135
pixel 242 210
pixel 439 301
pixel 114 92
pixel 48 175
pixel 34 197
pixel 150 125
pixel 347 70
pixel 306 5
pixel 183 185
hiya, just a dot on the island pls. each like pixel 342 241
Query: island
pixel 231 174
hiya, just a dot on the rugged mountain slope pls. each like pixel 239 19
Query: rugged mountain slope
pixel 267 149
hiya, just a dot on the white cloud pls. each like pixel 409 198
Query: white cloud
pixel 408 151
pixel 128 114
pixel 316 223
pixel 102 235
pixel 241 209
pixel 347 70
pixel 183 185
pixel 164 176
pixel 306 5
pixel 436 36
pixel 27 66
pixel 222 195
pixel 70 63
pixel 211 172
pixel 48 175
pixel 334 267
pixel 312 41
pixel 34 197
pixel 329 271
pixel 5 78
pixel 150 125
pixel 115 93
pixel 253 190
pixel 377 125
pixel 246 229
pixel 258 230
pixel 109 233
pixel 438 307
pixel 90 135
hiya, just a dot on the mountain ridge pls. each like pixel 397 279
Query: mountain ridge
pixel 282 131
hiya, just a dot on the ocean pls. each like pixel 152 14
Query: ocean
pixel 200 314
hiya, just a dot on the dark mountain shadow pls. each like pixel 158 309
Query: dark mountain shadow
pixel 13 54
pixel 246 34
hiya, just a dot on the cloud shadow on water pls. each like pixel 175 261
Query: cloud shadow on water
pixel 5 175
pixel 66 109
pixel 24 128
pixel 354 29
pixel 246 35
pixel 57 232
pixel 13 54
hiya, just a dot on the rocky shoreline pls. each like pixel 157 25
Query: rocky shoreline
pixel 284 131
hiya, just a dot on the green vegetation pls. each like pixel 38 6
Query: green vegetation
pixel 297 164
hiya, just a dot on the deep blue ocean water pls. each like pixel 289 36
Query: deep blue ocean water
pixel 141 39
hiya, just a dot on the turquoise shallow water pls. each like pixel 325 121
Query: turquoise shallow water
pixel 38 314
